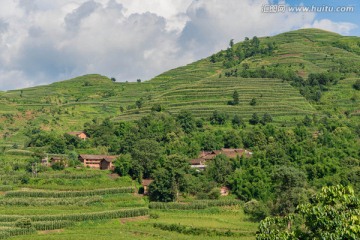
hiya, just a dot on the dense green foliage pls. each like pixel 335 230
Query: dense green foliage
pixel 331 214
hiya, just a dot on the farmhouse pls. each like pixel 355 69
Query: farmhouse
pixel 79 134
pixel 103 162
pixel 200 162
pixel 224 191
pixel 145 183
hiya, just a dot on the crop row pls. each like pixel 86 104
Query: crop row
pixel 80 216
pixel 70 175
pixel 41 226
pixel 4 188
pixel 63 194
pixel 189 230
pixel 196 205
pixel 7 233
pixel 50 201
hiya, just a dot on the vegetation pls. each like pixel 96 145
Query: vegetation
pixel 332 214
pixel 290 100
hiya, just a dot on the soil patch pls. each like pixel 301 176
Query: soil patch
pixel 133 219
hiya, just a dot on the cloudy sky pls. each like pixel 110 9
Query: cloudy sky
pixel 43 41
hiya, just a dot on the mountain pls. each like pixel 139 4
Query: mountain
pixel 274 71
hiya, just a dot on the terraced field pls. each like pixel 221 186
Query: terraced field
pixel 205 96
pixel 49 213
pixel 67 105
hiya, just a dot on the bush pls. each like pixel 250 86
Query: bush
pixel 214 193
pixel 257 210
pixel 356 85
pixel 23 223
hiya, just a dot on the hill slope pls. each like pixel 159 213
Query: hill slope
pixel 202 86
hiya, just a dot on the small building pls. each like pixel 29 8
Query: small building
pixel 224 191
pixel 102 162
pixel 204 156
pixel 198 163
pixel 45 162
pixel 145 183
pixel 79 134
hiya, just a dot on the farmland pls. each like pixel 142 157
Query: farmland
pixel 290 101
pixel 72 210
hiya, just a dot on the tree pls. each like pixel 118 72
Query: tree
pixel 356 85
pixel 238 122
pixel 146 153
pixel 253 102
pixel 138 80
pixel 113 79
pixel 139 103
pixel 57 146
pixel 333 213
pixel 186 121
pixel 266 118
pixel 219 169
pixel 235 96
pixel 231 44
pixel 218 118
pixel 170 179
pixel 254 119
pixel 289 186
pixel 157 108
pixel 123 164
pixel 307 121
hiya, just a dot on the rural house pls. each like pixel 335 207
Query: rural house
pixel 145 183
pixel 79 134
pixel 103 162
pixel 200 162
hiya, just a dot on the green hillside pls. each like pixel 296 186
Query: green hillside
pixel 274 120
pixel 200 87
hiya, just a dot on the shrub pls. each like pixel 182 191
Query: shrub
pixel 356 85
pixel 257 210
pixel 23 223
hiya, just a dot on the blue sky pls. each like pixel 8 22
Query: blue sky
pixel 43 41
pixel 353 17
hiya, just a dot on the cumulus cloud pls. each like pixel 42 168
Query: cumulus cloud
pixel 338 27
pixel 44 41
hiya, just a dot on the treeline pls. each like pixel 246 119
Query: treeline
pixel 311 88
pixel 235 54
pixel 286 162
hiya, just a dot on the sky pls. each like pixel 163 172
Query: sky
pixel 44 41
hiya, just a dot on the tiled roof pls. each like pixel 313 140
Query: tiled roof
pixel 98 157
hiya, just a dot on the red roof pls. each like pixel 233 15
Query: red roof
pixel 146 182
pixel 98 157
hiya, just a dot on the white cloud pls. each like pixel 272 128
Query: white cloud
pixel 44 41
pixel 338 27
